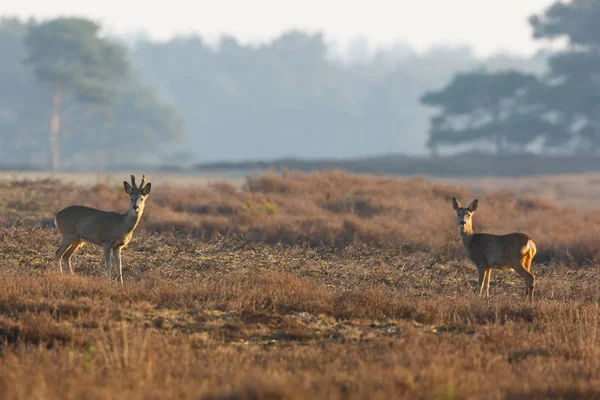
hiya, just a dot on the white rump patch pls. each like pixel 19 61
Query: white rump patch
pixel 529 246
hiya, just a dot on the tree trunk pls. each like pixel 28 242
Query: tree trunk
pixel 55 129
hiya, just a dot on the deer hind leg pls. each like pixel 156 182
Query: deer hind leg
pixel 486 281
pixel 527 259
pixel 107 261
pixel 62 249
pixel 69 253
pixel 522 267
pixel 531 284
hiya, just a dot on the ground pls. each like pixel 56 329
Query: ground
pixel 324 285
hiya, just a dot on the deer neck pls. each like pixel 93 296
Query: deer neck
pixel 132 219
pixel 466 234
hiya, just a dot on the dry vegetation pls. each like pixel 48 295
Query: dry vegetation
pixel 323 285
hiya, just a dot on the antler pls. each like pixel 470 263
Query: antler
pixel 143 182
pixel 133 182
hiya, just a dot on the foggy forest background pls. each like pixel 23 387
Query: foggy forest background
pixel 73 98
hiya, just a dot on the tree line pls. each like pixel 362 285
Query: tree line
pixel 512 111
pixel 71 97
pixel 291 97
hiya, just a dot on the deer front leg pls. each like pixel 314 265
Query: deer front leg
pixel 76 246
pixel 65 245
pixel 107 261
pixel 118 265
pixel 482 274
pixel 486 281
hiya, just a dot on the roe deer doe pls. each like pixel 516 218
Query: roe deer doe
pixel 110 229
pixel 512 251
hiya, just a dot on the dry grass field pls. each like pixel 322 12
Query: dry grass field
pixel 301 286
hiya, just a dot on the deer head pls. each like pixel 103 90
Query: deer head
pixel 465 215
pixel 137 194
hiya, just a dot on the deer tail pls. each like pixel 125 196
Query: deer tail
pixel 529 248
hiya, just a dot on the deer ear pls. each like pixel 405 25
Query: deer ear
pixel 455 204
pixel 473 205
pixel 128 188
pixel 146 189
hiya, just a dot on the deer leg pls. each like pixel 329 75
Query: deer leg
pixel 486 281
pixel 69 253
pixel 118 264
pixel 523 269
pixel 527 262
pixel 481 272
pixel 107 261
pixel 531 281
pixel 65 245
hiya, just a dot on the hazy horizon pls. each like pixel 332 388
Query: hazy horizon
pixel 498 27
pixel 366 86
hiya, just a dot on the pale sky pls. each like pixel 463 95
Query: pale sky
pixel 489 26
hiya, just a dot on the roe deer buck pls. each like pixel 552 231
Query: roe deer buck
pixel 512 251
pixel 110 229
